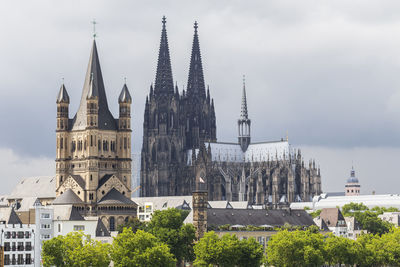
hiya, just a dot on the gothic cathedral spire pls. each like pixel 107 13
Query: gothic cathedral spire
pixel 164 83
pixel 196 85
pixel 244 122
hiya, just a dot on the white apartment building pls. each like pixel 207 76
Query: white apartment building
pixel 18 241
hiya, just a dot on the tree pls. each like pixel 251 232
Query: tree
pixel 351 208
pixel 341 250
pixel 75 249
pixel 228 251
pixel 168 227
pixel 140 249
pixel 296 248
pixel 251 253
pixel 372 223
pixel 132 223
pixel 207 250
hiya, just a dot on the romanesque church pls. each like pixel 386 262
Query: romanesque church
pixel 180 148
pixel 93 161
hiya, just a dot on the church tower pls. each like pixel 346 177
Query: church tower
pixel 200 119
pixel 162 130
pixel 93 159
pixel 352 187
pixel 244 122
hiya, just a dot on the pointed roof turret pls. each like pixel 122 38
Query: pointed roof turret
pixel 94 86
pixel 164 83
pixel 125 96
pixel 63 96
pixel 196 78
pixel 243 111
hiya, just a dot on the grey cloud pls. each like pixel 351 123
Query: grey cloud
pixel 324 71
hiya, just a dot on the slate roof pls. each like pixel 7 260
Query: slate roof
pixel 38 186
pixel 104 179
pixel 332 216
pixel 115 197
pixel 69 197
pixel 246 217
pixel 67 213
pixel 106 119
pixel 101 229
pixel 63 96
pixel 13 218
pixel 79 180
pixel 164 202
pixel 125 96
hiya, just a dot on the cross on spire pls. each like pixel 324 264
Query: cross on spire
pixel 94 28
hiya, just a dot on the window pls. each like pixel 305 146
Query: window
pixel 20 259
pixel 79 228
pixel 8 235
pixel 45 216
pixel 59 227
pixel 45 226
pixel 7 259
pixel 45 237
pixel 28 246
pixel 90 196
pixel 7 246
pixel 13 234
pixel 112 224
pixel 28 259
pixel 20 246
pixel 20 234
pixel 27 234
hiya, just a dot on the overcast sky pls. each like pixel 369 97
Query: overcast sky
pixel 326 72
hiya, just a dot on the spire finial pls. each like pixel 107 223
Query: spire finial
pixel 164 21
pixel 125 80
pixel 287 135
pixel 94 28
pixel 62 80
pixel 195 27
pixel 244 81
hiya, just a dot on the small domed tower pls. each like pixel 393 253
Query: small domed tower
pixel 352 187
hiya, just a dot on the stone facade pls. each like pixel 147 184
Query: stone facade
pixel 180 146
pixel 94 150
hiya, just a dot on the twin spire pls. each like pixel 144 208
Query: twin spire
pixel 196 84
pixel 164 81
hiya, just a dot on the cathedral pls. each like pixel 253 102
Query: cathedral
pixel 180 151
pixel 93 160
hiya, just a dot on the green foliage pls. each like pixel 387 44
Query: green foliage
pixel 75 249
pixel 133 223
pixel 351 208
pixel 296 248
pixel 140 249
pixel 167 226
pixel 315 214
pixel 306 208
pixel 341 250
pixel 381 210
pixel 227 251
pixel 367 218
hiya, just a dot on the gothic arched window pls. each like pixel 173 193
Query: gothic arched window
pixel 112 224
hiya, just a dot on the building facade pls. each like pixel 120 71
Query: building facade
pixel 93 162
pixel 180 146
